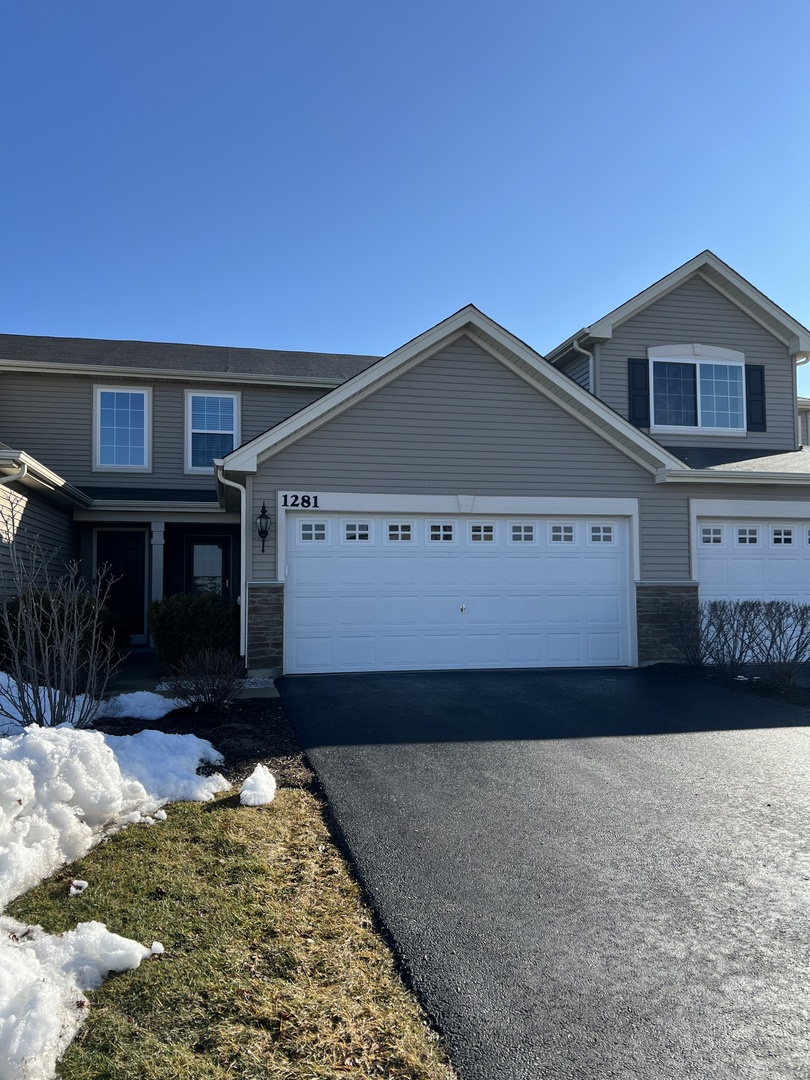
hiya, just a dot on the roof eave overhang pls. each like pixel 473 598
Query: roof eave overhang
pixel 112 371
pixel 40 478
pixel 709 476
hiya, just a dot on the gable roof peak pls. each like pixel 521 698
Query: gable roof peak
pixel 720 276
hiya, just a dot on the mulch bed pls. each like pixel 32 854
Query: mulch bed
pixel 248 732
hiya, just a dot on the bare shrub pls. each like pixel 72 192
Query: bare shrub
pixel 732 628
pixel 687 631
pixel 210 679
pixel 782 645
pixel 58 649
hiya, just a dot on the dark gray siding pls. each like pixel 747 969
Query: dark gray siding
pixel 460 423
pixel 696 312
pixel 31 520
pixel 578 369
pixel 52 419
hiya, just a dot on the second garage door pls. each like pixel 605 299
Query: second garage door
pixel 386 593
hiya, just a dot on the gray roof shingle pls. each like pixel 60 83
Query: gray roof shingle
pixel 167 356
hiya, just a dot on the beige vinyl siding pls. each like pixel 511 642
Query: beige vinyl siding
pixel 51 418
pixel 460 423
pixel 696 312
pixel 32 520
pixel 578 369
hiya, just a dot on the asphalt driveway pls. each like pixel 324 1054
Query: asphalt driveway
pixel 588 875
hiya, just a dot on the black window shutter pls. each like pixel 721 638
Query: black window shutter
pixel 638 382
pixel 755 396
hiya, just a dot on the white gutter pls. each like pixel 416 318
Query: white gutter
pixel 15 476
pixel 591 368
pixel 707 476
pixel 243 600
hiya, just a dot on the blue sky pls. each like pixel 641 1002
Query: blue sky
pixel 340 176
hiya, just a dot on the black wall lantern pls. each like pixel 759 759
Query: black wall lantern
pixel 263 524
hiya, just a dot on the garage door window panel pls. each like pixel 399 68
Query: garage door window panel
pixel 522 532
pixel 313 532
pixel 711 535
pixel 602 534
pixel 355 531
pixel 563 533
pixel 782 536
pixel 482 533
pixel 746 536
pixel 400 532
pixel 441 532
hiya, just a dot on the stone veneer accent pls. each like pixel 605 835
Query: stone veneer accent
pixel 655 605
pixel 265 628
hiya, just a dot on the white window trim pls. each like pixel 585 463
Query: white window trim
pixel 196 470
pixel 146 391
pixel 695 354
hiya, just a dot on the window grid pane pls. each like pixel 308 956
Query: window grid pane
pixel 480 533
pixel 721 396
pixel 441 533
pixel 601 534
pixel 313 530
pixel 747 536
pixel 710 535
pixel 399 532
pixel 562 534
pixel 356 531
pixel 122 428
pixel 674 397
pixel 522 533
pixel 782 537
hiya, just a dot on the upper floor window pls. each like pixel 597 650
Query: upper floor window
pixel 697 386
pixel 212 428
pixel 122 428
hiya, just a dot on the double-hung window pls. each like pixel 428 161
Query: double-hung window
pixel 212 428
pixel 697 387
pixel 122 428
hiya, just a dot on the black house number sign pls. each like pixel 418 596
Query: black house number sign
pixel 300 502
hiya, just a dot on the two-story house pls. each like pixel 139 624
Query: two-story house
pixel 462 502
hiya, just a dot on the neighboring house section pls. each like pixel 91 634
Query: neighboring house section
pixel 462 502
pixel 133 427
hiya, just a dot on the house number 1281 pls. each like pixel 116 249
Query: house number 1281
pixel 305 502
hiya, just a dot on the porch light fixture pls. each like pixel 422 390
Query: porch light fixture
pixel 263 524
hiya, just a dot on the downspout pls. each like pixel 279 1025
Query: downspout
pixel 591 365
pixel 242 560
pixel 23 470
pixel 805 358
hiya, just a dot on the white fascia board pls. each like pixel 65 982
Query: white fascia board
pixel 40 476
pixel 164 374
pixel 464 322
pixel 125 512
pixel 748 508
pixel 706 476
pixel 603 329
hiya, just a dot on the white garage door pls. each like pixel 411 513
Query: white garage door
pixel 387 593
pixel 753 560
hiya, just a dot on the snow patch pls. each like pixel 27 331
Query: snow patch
pixel 61 791
pixel 259 788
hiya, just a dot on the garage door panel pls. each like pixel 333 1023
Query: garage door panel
pixel 603 610
pixel 604 648
pixel 565 649
pixel 756 569
pixel 422 604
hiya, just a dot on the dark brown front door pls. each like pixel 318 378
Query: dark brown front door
pixel 124 551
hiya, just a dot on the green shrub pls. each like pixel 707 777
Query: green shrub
pixel 191 623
